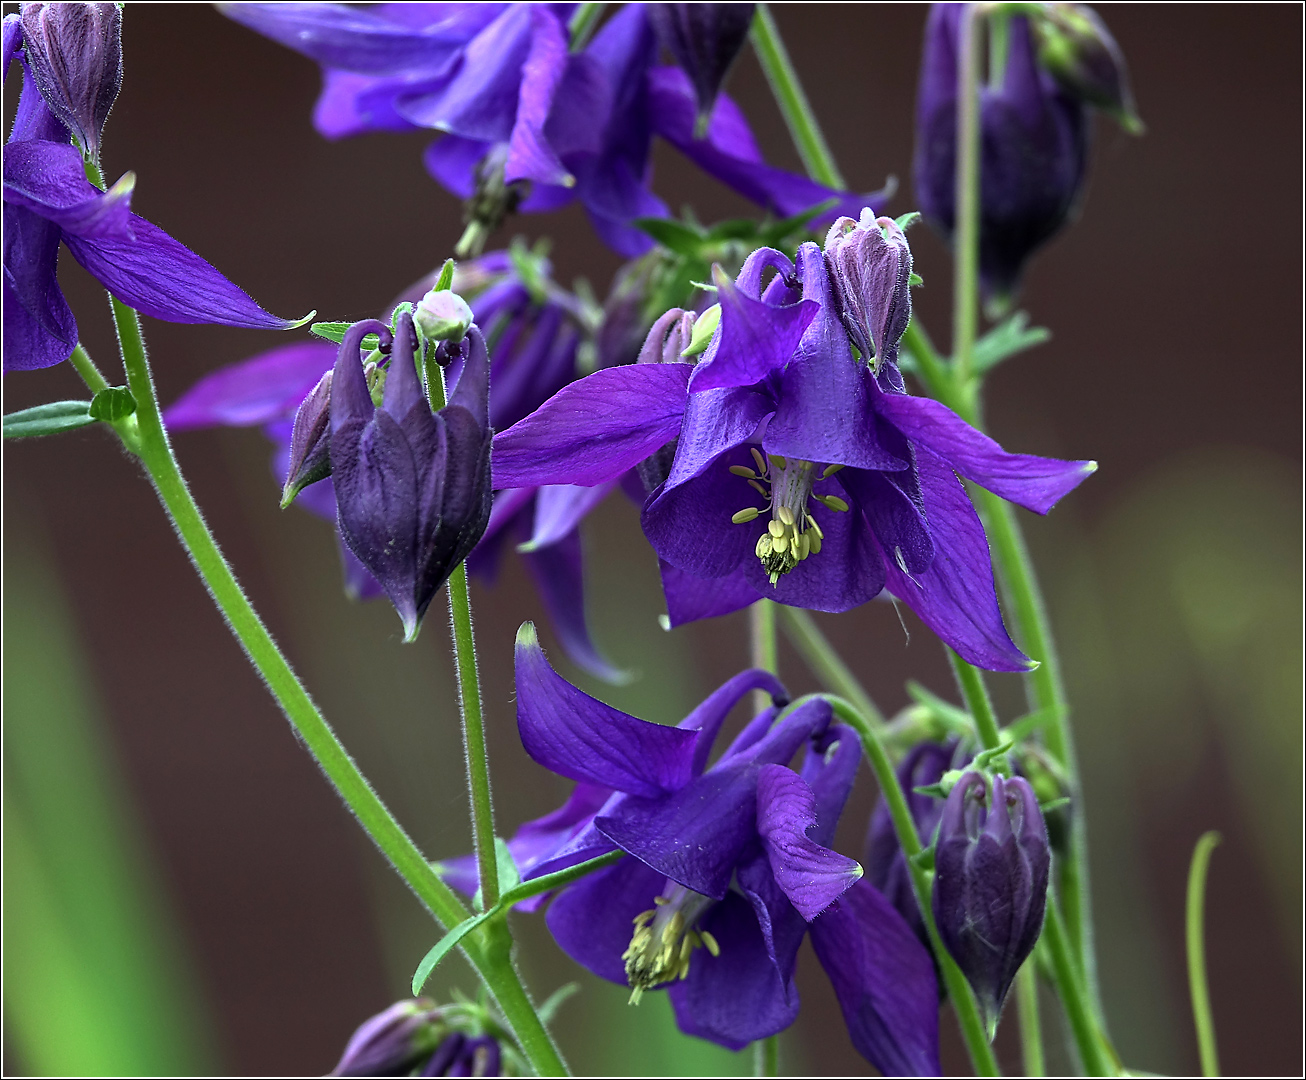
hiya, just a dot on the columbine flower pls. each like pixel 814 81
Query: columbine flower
pixel 728 866
pixel 1034 148
pixel 990 882
pixel 799 474
pixel 412 487
pixel 47 199
pixel 705 39
pixel 414 1038
pixel 529 125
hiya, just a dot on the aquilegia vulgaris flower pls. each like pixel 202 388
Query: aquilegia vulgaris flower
pixel 48 200
pixel 727 867
pixel 801 473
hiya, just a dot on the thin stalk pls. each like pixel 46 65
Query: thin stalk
pixel 825 663
pixel 965 297
pixel 971 681
pixel 372 814
pixel 85 367
pixel 1031 1033
pixel 766 1056
pixel 583 24
pixel 794 106
pixel 1074 997
pixel 764 653
pixel 963 998
pixel 931 368
pixel 1195 912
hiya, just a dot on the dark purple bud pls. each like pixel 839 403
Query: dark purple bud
pixel 870 264
pixel 394 1042
pixel 1075 46
pixel 462 1056
pixel 704 39
pixel 990 882
pixel 310 442
pixel 669 337
pixel 75 55
pixel 412 487
pixel 1034 147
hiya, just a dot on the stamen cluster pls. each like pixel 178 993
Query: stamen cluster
pixel 664 940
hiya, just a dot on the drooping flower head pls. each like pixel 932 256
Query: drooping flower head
pixel 419 1038
pixel 800 473
pixel 704 39
pixel 48 200
pixel 990 882
pixel 727 866
pixel 1076 47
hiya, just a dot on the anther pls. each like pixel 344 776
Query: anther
pixel 746 514
pixel 777 461
pixel 744 471
pixel 830 470
pixel 761 462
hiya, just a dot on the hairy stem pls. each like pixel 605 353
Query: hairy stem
pixel 85 367
pixel 1031 1033
pixel 1069 982
pixel 965 296
pixel 976 694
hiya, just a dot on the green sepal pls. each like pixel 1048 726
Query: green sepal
pixel 1011 336
pixel 907 220
pixel 984 757
pixel 915 279
pixel 445 280
pixel 512 896
pixel 49 419
pixel 335 332
pixel 112 404
pixel 704 327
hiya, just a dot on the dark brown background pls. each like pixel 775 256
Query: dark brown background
pixel 1175 304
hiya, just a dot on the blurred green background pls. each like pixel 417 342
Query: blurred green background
pixel 183 894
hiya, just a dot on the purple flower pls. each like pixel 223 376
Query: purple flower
pixel 990 882
pixel 414 1038
pixel 48 200
pixel 728 867
pixel 1075 46
pixel 855 477
pixel 527 122
pixel 1034 148
pixel 705 39
pixel 412 487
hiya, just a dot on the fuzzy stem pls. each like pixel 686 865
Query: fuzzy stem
pixel 971 681
pixel 1031 1034
pixel 965 297
pixel 1069 982
pixel 85 367
pixel 963 998
pixel 794 106
pixel 825 663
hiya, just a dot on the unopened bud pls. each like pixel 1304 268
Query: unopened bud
pixel 310 442
pixel 1076 49
pixel 443 316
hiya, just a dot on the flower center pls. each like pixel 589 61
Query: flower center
pixel 792 534
pixel 664 939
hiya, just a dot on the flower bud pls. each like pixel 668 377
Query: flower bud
pixel 310 442
pixel 75 55
pixel 443 315
pixel 1077 49
pixel 990 882
pixel 394 1042
pixel 704 39
pixel 870 264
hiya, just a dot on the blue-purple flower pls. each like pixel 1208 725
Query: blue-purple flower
pixel 519 108
pixel 415 1038
pixel 704 39
pixel 727 865
pixel 800 473
pixel 48 200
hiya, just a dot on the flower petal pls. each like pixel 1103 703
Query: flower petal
pixel 262 389
pixel 576 735
pixel 812 876
pixel 708 717
pixel 716 421
pixel 594 429
pixel 690 526
pixel 690 598
pixel 899 523
pixel 48 178
pixel 39 328
pixel 884 980
pixel 559 509
pixel 530 155
pixel 1035 483
pixel 955 597
pixel 829 769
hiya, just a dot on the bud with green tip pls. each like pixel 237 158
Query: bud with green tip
pixel 443 315
pixel 1076 49
pixel 310 442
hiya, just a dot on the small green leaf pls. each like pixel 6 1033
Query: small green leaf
pixel 983 758
pixel 48 419
pixel 675 235
pixel 112 404
pixel 915 279
pixel 442 947
pixel 1022 728
pixel 1011 336
pixel 1055 804
pixel 908 220
pixel 335 331
pixel 445 280
pixel 704 327
pixel 786 227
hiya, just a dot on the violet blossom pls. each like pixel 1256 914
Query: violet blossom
pixel 416 1038
pixel 528 124
pixel 48 200
pixel 727 865
pixel 855 476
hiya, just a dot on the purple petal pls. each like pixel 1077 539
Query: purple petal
pixel 708 716
pixel 899 523
pixel 716 421
pixel 955 597
pixel 39 328
pixel 161 278
pixel 259 390
pixel 11 41
pixel 690 525
pixel 559 509
pixel 690 598
pixel 34 120
pixel 1035 483
pixel 739 996
pixel 783 929
pixel 578 736
pixel 884 980
pixel 530 155
pixel 812 876
pixel 584 94
pixel 593 920
pixel 594 429
pixel 452 163
pixel 48 179
pixel 558 576
pixel 722 153
pixel 351 104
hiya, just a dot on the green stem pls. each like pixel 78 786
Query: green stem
pixel 794 106
pixel 583 24
pixel 963 998
pixel 931 368
pixel 322 743
pixel 763 650
pixel 825 663
pixel 965 297
pixel 766 1056
pixel 1074 998
pixel 1193 932
pixel 976 694
pixel 85 367
pixel 1031 1034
